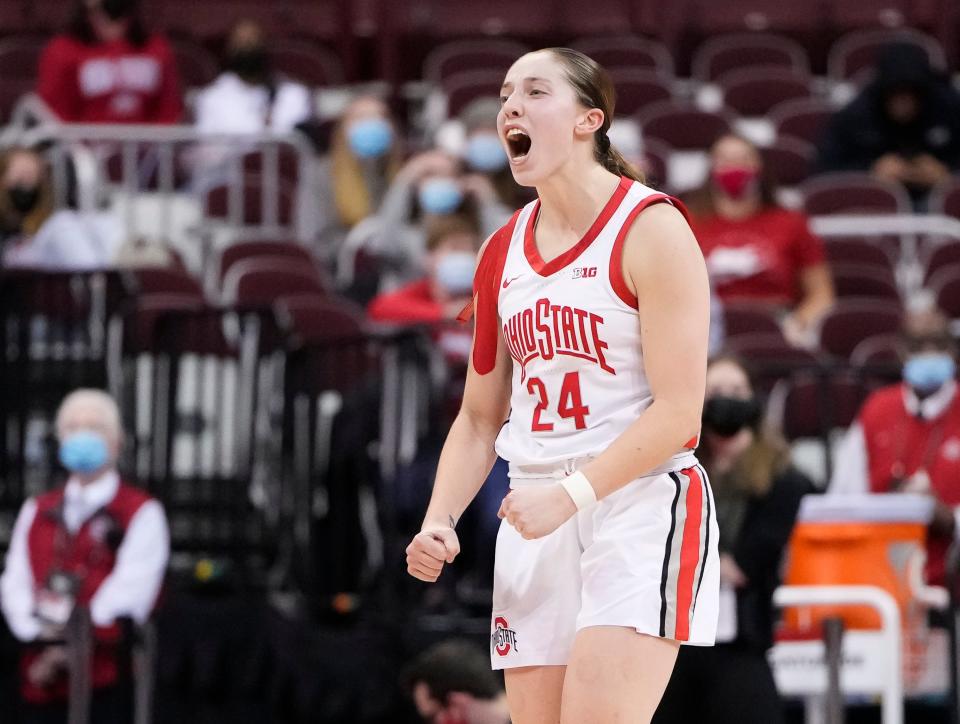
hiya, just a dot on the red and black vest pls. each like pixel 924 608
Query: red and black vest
pixel 89 555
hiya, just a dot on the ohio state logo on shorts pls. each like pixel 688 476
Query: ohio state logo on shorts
pixel 503 638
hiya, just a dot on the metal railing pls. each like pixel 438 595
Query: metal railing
pixel 260 184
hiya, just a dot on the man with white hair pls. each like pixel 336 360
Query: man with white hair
pixel 94 542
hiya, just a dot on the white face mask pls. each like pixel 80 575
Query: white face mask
pixel 455 272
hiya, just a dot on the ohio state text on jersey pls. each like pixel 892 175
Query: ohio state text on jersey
pixel 572 329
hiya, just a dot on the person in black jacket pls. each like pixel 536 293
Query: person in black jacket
pixel 757 494
pixel 903 126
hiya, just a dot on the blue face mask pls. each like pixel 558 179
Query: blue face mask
pixel 485 154
pixel 84 451
pixel 927 372
pixel 370 137
pixel 455 272
pixel 440 195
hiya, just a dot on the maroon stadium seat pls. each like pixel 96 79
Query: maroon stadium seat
pixel 251 207
pixel 945 284
pixel 879 350
pixel 856 52
pixel 770 358
pixel 746 318
pixel 638 89
pixel 463 88
pixel 305 62
pixel 815 406
pixel 262 249
pixel 310 318
pixel 788 160
pixel 720 55
pixel 164 280
pixel 853 193
pixel 683 127
pixel 260 282
pixel 197 65
pixel 940 256
pixel 463 56
pixel 597 17
pixel 852 280
pixel 628 52
pixel 853 320
pixel 804 118
pixel 19 57
pixel 945 199
pixel 754 91
pixel 654 164
pixel 859 251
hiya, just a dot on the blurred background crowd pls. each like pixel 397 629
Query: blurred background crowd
pixel 254 226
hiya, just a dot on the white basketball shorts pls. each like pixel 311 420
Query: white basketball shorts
pixel 644 557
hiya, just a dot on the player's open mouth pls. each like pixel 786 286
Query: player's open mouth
pixel 519 144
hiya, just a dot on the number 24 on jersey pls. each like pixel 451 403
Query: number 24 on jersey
pixel 569 404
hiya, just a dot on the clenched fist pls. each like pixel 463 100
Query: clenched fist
pixel 429 550
pixel 537 510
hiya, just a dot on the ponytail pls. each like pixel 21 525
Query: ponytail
pixel 612 160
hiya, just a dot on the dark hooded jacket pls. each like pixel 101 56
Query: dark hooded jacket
pixel 862 132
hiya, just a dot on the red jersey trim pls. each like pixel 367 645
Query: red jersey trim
pixel 546 268
pixel 486 292
pixel 617 281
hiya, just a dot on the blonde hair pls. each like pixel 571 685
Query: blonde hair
pixel 351 196
pixel 31 223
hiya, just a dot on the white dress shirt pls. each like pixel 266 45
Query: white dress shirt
pixel 130 589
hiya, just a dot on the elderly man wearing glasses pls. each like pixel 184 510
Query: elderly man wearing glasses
pixel 94 542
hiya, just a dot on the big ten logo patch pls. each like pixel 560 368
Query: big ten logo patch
pixel 503 638
pixel 584 272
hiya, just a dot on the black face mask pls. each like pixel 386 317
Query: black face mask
pixel 23 198
pixel 726 416
pixel 116 9
pixel 249 63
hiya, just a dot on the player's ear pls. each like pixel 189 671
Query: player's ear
pixel 589 122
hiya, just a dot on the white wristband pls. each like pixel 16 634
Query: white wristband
pixel 580 490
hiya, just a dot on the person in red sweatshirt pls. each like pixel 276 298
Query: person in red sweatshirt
pixel 106 68
pixel 95 542
pixel 443 291
pixel 756 250
pixel 906 437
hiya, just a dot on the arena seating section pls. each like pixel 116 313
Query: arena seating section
pixel 261 400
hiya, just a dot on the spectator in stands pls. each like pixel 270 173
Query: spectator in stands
pixel 429 187
pixel 486 162
pixel 904 125
pixel 364 157
pixel 757 494
pixel 757 251
pixel 106 68
pixel 452 245
pixel 451 683
pixel 906 437
pixel 33 234
pixel 248 97
pixel 95 542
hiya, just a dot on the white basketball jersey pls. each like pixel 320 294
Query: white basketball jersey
pixel 572 329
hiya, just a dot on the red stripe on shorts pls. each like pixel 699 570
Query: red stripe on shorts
pixel 689 553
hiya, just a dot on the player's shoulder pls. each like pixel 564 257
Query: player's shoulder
pixel 499 240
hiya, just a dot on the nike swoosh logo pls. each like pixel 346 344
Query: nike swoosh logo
pixel 508 282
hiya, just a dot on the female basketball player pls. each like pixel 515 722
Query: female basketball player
pixel 592 312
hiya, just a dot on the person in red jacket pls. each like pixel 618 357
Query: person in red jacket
pixel 906 437
pixel 445 288
pixel 756 250
pixel 107 69
pixel 95 542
